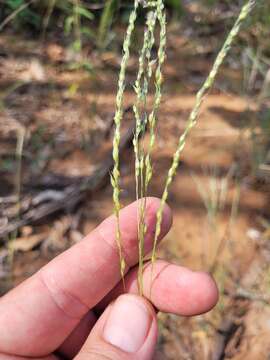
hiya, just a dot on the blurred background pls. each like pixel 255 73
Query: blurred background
pixel 59 63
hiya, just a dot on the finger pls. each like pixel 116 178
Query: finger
pixel 55 299
pixel 13 357
pixel 171 289
pixel 71 346
pixel 174 289
pixel 127 330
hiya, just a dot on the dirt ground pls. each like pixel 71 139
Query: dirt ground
pixel 221 209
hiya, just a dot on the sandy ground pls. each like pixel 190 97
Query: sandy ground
pixel 65 113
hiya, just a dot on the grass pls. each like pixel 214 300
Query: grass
pixel 215 194
pixel 141 88
pixel 143 166
pixel 14 14
pixel 115 177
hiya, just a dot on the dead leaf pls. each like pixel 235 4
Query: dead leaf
pixel 56 239
pixel 55 52
pixel 33 72
pixel 4 269
pixel 26 243
pixel 75 236
pixel 3 222
pixel 27 230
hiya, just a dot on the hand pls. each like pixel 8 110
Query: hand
pixel 75 306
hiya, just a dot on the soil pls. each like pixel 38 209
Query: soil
pixel 66 113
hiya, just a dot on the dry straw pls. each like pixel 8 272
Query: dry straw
pixel 143 163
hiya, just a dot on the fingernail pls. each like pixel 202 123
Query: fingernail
pixel 128 324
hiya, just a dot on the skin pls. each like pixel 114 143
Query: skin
pixel 61 311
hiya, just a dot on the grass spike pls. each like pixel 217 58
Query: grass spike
pixel 158 82
pixel 146 169
pixel 192 120
pixel 115 177
pixel 141 89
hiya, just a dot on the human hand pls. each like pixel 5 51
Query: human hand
pixel 74 307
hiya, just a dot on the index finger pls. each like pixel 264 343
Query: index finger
pixel 37 316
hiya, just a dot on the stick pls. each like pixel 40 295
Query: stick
pixel 72 194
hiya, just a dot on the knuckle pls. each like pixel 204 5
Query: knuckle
pixel 97 354
pixel 66 302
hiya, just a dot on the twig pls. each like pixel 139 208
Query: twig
pixel 72 194
pixel 225 332
pixel 19 152
pixel 245 294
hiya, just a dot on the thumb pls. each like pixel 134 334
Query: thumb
pixel 127 330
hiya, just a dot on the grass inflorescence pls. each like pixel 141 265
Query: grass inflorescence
pixel 143 166
pixel 115 177
pixel 141 88
pixel 148 119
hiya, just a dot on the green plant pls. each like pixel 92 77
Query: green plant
pixel 73 22
pixel 19 12
pixel 38 14
pixel 47 17
pixel 143 167
pixel 106 21
pixel 176 6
